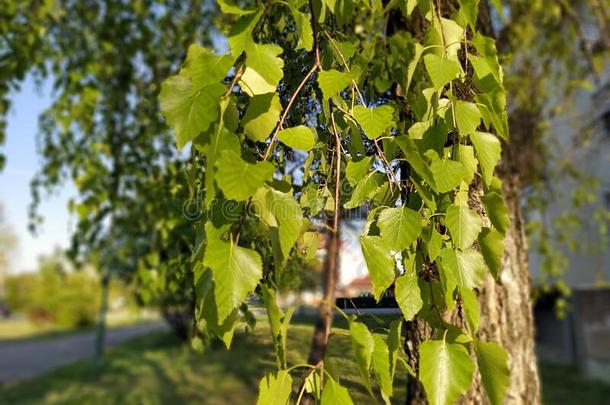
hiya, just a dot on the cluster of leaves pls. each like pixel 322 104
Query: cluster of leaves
pixel 423 108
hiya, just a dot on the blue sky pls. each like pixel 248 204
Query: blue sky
pixel 22 162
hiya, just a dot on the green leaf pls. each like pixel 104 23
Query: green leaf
pixel 464 225
pixel 300 137
pixel 278 323
pixel 374 121
pixel 418 164
pixel 239 179
pixel 275 389
pixel 453 36
pixel 467 116
pixel 419 50
pixel 189 109
pixel 493 366
pixel 492 248
pixel 488 150
pixel 236 271
pixel 417 130
pixel 304 28
pixel 362 345
pixel 332 82
pixel 335 394
pixel 472 310
pixel 229 8
pixel 445 371
pixel 263 69
pixel 441 69
pixel 286 215
pixel 399 227
pixel 468 267
pixel 356 170
pixel 447 173
pixel 262 116
pixel 204 68
pixel 469 10
pixel 496 211
pixel 394 344
pixel 466 157
pixel 205 294
pixel 365 189
pixel 434 244
pixel 379 262
pixel 240 35
pixel 381 367
pixel 408 295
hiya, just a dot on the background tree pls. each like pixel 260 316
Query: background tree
pixel 8 242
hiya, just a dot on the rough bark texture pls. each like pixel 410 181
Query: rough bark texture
pixel 506 310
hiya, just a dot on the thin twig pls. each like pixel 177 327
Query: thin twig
pixel 386 164
pixel 332 42
pixel 337 172
pixel 280 124
pixel 238 73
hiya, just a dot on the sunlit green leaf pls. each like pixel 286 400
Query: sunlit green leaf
pixel 468 267
pixel 464 225
pixel 492 248
pixel 335 394
pixel 381 366
pixel 496 211
pixel 275 389
pixel 189 109
pixel 447 173
pixel 379 262
pixel 263 69
pixel 227 7
pixel 493 365
pixel 332 81
pixel 375 120
pixel 239 179
pixel 441 69
pixel 399 227
pixel 467 116
pixel 488 150
pixel 299 137
pixel 262 116
pixel 408 295
pixel 362 345
pixel 236 271
pixel 445 371
pixel 471 307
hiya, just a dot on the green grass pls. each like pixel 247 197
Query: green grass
pixel 157 369
pixel 566 385
pixel 22 328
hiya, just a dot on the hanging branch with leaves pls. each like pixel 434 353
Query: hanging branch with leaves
pixel 407 125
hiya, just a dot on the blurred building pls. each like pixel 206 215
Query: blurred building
pixel 578 187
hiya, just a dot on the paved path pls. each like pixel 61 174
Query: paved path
pixel 27 359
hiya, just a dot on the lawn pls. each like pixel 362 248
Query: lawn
pixel 21 328
pixel 157 369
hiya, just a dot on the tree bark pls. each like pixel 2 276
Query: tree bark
pixel 506 311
